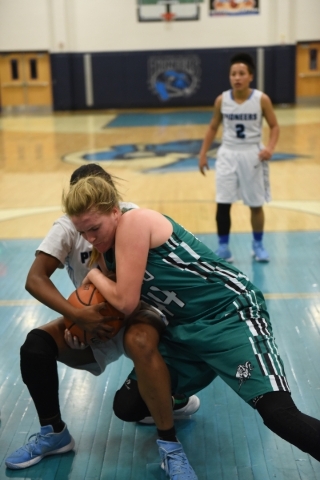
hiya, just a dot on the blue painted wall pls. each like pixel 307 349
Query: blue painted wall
pixel 122 79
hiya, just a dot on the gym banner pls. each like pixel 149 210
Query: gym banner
pixel 233 7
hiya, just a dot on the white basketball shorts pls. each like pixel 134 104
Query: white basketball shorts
pixel 241 175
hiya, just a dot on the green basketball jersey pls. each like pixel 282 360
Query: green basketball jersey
pixel 218 320
pixel 187 281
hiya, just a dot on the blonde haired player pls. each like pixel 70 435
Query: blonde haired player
pixel 242 160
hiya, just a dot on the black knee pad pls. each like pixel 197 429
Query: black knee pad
pixel 39 342
pixel 38 354
pixel 38 363
pixel 128 404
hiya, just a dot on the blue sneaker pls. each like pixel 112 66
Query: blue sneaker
pixel 174 461
pixel 259 253
pixel 224 252
pixel 42 444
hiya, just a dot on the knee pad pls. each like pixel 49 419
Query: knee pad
pixel 40 373
pixel 38 357
pixel 39 342
pixel 128 404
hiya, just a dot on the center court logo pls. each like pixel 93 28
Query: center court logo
pixel 173 76
pixel 180 155
pixel 168 157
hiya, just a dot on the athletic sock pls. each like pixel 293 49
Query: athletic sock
pixel 180 401
pixel 56 422
pixel 223 239
pixel 167 435
pixel 257 236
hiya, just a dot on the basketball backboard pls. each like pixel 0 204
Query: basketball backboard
pixel 168 10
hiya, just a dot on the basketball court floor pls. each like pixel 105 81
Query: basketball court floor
pixel 154 156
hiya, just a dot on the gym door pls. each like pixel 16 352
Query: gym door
pixel 25 81
pixel 308 71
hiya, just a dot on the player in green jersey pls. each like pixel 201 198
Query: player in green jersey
pixel 218 320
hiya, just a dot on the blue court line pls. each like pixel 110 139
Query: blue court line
pixel 161 119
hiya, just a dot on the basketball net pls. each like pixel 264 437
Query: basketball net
pixel 168 16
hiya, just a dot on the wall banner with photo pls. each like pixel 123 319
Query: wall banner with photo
pixel 233 7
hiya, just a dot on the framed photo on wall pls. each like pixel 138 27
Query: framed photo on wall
pixel 233 7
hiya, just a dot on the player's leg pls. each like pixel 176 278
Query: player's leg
pixel 39 354
pixel 187 374
pixel 141 345
pixel 257 219
pixel 255 191
pixel 249 362
pixel 280 414
pixel 259 253
pixel 226 194
pixel 154 383
pixel 129 406
pixel 223 220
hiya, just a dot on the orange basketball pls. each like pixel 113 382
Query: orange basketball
pixel 83 297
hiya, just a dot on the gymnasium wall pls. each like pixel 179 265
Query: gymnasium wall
pixel 104 38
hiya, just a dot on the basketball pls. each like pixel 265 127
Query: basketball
pixel 87 295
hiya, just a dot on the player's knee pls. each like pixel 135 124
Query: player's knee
pixel 128 404
pixel 280 414
pixel 141 342
pixel 38 354
pixel 276 408
pixel 148 315
pixel 39 342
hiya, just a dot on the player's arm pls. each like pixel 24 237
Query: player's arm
pixel 210 135
pixel 137 232
pixel 40 286
pixel 269 115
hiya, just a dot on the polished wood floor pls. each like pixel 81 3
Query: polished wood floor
pixel 38 154
pixel 225 439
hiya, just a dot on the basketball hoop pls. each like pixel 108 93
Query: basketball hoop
pixel 168 16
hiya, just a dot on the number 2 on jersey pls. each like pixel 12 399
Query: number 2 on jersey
pixel 240 130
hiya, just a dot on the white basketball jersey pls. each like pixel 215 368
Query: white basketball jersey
pixel 241 122
pixel 70 248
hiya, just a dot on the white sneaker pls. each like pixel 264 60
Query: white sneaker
pixel 192 407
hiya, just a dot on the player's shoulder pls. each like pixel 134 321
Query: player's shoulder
pixel 223 96
pixel 265 100
pixel 218 100
pixel 217 108
pixel 138 218
pixel 137 213
pixel 259 94
pixel 65 222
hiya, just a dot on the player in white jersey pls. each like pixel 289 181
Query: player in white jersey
pixel 241 166
pixel 44 345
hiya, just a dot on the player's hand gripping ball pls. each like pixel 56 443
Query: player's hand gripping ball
pixel 87 295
